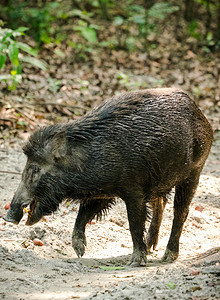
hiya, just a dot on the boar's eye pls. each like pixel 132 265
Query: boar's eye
pixel 32 173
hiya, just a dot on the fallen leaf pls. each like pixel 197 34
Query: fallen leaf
pixel 199 208
pixel 7 206
pixel 37 242
pixel 91 222
pixel 110 268
pixel 194 272
pixel 195 288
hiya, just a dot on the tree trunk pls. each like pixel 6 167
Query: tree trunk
pixel 189 10
pixel 104 8
pixel 217 33
pixel 148 3
pixel 77 4
pixel 209 16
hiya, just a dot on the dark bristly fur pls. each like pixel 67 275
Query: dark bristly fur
pixel 136 146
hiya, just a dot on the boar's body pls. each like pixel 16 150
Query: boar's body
pixel 136 146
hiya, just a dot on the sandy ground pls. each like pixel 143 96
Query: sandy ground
pixel 53 271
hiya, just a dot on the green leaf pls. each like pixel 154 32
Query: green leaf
pixel 161 10
pixel 110 268
pixel 2 47
pixel 118 21
pixel 26 48
pixel 7 35
pixel 137 8
pixel 44 37
pixel 22 29
pixel 131 43
pixel 89 34
pixel 13 54
pixel 22 123
pixel 59 53
pixel 11 80
pixel 36 62
pixel 18 69
pixel 209 36
pixel 171 285
pixel 78 13
pixel 139 19
pixel 2 60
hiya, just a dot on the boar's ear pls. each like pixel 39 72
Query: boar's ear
pixel 71 154
pixel 56 147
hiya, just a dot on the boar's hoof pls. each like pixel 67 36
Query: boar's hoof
pixel 151 243
pixel 79 243
pixel 169 256
pixel 137 258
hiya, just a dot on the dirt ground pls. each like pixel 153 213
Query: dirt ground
pixel 53 271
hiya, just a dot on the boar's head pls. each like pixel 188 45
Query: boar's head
pixel 48 176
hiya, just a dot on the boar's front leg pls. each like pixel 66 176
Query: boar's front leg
pixel 136 210
pixel 87 211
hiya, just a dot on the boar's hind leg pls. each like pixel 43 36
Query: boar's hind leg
pixel 136 210
pixel 158 206
pixel 87 211
pixel 183 196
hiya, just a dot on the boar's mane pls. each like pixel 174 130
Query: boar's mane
pixel 117 114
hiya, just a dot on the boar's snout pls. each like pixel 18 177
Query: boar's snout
pixel 19 201
pixel 14 214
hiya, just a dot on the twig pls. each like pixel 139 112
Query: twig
pixel 9 172
pixel 29 282
pixel 1 119
pixel 62 105
pixel 7 120
pixel 25 116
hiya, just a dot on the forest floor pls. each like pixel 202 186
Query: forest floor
pixel 53 271
pixel 68 90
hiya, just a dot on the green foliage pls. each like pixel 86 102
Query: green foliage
pixel 161 10
pixel 193 29
pixel 87 31
pixel 51 22
pixel 147 20
pixel 44 20
pixel 40 18
pixel 210 43
pixel 54 85
pixel 81 50
pixel 10 48
pixel 22 123
pixel 12 79
pixel 82 14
